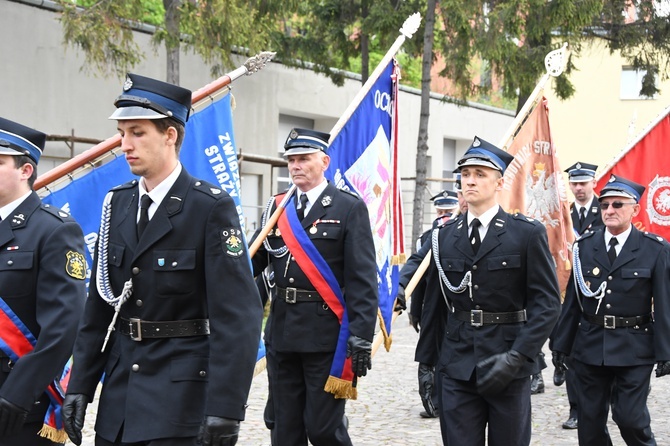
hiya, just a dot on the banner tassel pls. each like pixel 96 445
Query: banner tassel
pixel 53 434
pixel 341 388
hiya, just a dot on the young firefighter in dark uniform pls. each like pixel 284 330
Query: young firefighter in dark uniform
pixel 42 291
pixel 615 321
pixel 446 202
pixel 322 320
pixel 585 211
pixel 180 360
pixel 585 214
pixel 495 273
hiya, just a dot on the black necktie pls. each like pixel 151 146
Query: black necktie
pixel 303 205
pixel 611 253
pixel 475 241
pixel 145 202
pixel 582 216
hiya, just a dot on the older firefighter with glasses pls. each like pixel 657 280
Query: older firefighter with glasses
pixel 615 321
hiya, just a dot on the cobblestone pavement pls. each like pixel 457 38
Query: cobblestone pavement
pixel 388 406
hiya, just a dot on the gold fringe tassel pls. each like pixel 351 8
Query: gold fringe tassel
pixel 385 334
pixel 53 434
pixel 341 388
pixel 399 259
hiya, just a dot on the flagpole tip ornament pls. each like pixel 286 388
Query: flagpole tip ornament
pixel 17 140
pixel 411 25
pixel 147 98
pixel 555 61
pixel 305 141
pixel 483 153
pixel 258 62
pixel 580 172
pixel 618 186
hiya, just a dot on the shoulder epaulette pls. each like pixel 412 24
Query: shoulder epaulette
pixel 128 185
pixel 519 216
pixel 208 189
pixel 655 237
pixel 585 235
pixel 353 194
pixel 57 212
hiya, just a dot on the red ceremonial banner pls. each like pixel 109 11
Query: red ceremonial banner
pixel 534 186
pixel 647 161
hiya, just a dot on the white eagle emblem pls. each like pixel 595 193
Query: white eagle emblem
pixel 541 199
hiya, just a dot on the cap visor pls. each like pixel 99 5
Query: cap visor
pixel 616 193
pixel 10 151
pixel 124 113
pixel 478 162
pixel 580 179
pixel 300 151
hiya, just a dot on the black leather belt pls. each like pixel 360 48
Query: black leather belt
pixel 293 295
pixel 608 321
pixel 477 318
pixel 138 329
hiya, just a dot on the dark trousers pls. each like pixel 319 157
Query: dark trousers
pixel 28 437
pixel 571 387
pixel 189 441
pixel 465 414
pixel 596 384
pixel 302 409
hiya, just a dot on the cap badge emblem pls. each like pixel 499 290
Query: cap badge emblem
pixel 476 143
pixel 578 166
pixel 612 179
pixel 128 84
pixel 293 134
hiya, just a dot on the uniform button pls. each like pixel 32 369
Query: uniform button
pixel 291 280
pixel 10 262
pixel 139 302
pixel 198 183
pixel 609 277
pixel 504 263
pixel 203 373
pixel 474 267
pixel 325 234
pixel 608 306
pixel 135 368
pixel 635 273
pixel 477 307
pixel 609 291
pixel 476 287
pixel 174 264
pixel 136 270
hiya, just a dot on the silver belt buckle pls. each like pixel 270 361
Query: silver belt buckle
pixel 291 299
pixel 609 321
pixel 476 318
pixel 135 329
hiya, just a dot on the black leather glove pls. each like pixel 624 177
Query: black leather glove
pixel 74 410
pixel 218 431
pixel 360 352
pixel 503 369
pixel 662 368
pixel 12 418
pixel 414 321
pixel 426 383
pixel 558 359
pixel 400 301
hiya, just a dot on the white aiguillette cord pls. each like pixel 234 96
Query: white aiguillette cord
pixel 103 285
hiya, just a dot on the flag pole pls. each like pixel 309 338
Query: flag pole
pixel 554 63
pixel 250 66
pixel 407 30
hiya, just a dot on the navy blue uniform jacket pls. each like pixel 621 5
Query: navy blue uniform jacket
pixel 640 275
pixel 42 279
pixel 344 239
pixel 181 269
pixel 512 271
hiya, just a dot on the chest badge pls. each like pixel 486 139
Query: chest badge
pixel 596 271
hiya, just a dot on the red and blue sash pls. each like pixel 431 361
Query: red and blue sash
pixel 15 341
pixel 322 278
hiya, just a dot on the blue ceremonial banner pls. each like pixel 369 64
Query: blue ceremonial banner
pixel 361 160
